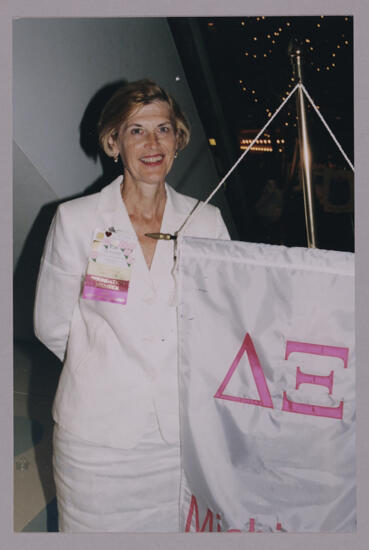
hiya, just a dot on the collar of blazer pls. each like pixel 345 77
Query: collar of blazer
pixel 177 208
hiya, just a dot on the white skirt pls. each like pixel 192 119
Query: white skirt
pixel 102 489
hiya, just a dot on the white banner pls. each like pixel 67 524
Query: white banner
pixel 267 389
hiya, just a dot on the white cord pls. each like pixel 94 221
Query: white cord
pixel 327 127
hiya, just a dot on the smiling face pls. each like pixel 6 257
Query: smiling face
pixel 147 144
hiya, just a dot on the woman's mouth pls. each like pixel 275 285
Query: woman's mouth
pixel 153 160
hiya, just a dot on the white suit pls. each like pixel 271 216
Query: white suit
pixel 119 360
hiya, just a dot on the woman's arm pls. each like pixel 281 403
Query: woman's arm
pixel 59 284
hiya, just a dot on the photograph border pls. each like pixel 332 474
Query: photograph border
pixel 359 9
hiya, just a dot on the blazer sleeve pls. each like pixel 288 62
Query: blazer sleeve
pixel 59 283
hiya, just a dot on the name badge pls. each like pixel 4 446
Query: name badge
pixel 109 267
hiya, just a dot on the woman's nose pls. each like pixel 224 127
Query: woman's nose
pixel 152 138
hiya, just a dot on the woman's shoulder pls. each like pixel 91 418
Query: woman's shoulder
pixel 79 204
pixel 86 205
pixel 208 223
pixel 188 203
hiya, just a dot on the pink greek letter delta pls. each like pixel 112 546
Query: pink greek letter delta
pixel 257 371
pixel 208 522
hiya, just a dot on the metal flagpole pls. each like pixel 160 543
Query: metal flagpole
pixel 305 156
pixel 305 153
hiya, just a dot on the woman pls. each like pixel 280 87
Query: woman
pixel 105 305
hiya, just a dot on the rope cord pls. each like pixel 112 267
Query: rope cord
pixel 327 127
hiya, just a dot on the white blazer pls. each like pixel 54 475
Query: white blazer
pixel 120 361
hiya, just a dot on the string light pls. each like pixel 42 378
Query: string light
pixel 261 145
pixel 260 149
pixel 247 141
pixel 259 39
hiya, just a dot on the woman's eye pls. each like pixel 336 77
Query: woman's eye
pixel 136 131
pixel 164 129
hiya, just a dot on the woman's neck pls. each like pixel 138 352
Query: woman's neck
pixel 145 204
pixel 144 200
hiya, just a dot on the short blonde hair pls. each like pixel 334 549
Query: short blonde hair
pixel 130 96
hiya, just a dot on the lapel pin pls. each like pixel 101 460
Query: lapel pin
pixel 161 236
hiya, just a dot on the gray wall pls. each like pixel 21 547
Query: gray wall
pixel 59 65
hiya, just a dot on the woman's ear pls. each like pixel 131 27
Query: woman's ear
pixel 112 145
pixel 178 141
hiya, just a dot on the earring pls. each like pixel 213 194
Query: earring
pixel 176 155
pixel 116 159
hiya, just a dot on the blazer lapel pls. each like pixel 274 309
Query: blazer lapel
pixel 175 213
pixel 113 213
